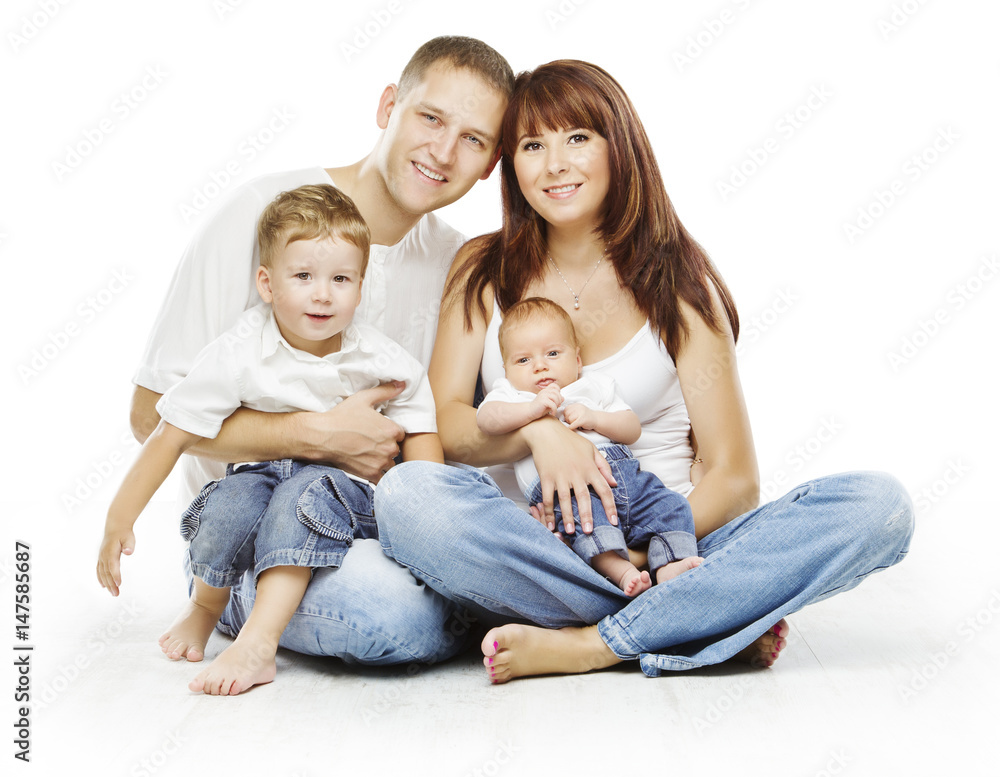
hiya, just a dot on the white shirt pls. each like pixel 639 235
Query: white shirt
pixel 214 284
pixel 254 366
pixel 597 391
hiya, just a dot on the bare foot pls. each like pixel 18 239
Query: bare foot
pixel 515 650
pixel 239 667
pixel 674 568
pixel 635 582
pixel 188 634
pixel 764 651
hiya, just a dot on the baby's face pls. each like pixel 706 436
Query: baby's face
pixel 539 352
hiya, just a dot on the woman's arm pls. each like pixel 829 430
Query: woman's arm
pixel 706 367
pixel 424 446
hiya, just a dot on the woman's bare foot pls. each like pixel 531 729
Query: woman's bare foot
pixel 188 634
pixel 242 665
pixel 635 582
pixel 518 651
pixel 764 651
pixel 674 568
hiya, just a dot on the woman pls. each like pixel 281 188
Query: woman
pixel 587 223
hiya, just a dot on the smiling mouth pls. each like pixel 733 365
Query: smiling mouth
pixel 430 173
pixel 562 189
pixel 318 316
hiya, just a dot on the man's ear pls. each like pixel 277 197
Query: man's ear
pixel 385 105
pixel 264 284
pixel 493 163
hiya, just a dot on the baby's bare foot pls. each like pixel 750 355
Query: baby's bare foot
pixel 764 651
pixel 635 582
pixel 516 650
pixel 239 667
pixel 674 568
pixel 188 634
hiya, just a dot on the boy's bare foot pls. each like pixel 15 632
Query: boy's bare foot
pixel 764 651
pixel 674 568
pixel 188 634
pixel 635 582
pixel 239 667
pixel 516 650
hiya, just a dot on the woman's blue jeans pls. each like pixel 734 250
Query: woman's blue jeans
pixel 455 531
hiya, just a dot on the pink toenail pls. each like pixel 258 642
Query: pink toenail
pixel 491 662
pixel 774 655
pixel 496 646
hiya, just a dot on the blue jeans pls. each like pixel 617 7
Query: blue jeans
pixel 275 513
pixel 369 611
pixel 648 513
pixel 455 530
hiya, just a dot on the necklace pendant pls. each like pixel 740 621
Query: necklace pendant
pixel 576 305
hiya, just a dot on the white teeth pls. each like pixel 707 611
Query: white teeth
pixel 562 189
pixel 429 173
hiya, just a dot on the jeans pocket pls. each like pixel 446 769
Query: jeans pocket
pixel 332 506
pixel 191 518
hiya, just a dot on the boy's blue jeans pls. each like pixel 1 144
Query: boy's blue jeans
pixel 275 513
pixel 648 512
pixel 455 530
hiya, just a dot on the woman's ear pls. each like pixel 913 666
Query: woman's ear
pixel 264 284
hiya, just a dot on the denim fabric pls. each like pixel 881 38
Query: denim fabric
pixel 455 530
pixel 275 513
pixel 649 513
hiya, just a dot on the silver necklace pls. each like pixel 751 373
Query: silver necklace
pixel 576 296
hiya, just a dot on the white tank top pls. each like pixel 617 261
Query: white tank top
pixel 647 379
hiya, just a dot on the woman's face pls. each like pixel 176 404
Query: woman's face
pixel 564 175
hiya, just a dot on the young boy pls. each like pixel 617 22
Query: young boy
pixel 543 377
pixel 300 350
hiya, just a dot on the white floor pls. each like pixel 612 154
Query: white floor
pixel 890 678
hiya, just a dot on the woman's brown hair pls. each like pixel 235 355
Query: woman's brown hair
pixel 651 251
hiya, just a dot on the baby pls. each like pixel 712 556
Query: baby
pixel 543 377
pixel 300 350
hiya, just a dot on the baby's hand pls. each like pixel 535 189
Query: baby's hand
pixel 115 544
pixel 547 400
pixel 578 416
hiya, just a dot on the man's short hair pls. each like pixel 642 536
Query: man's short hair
pixel 459 52
pixel 315 211
pixel 529 308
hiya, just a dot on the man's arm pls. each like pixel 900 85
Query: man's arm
pixel 351 436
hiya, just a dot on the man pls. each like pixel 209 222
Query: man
pixel 440 134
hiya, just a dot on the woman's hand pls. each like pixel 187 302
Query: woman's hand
pixel 569 464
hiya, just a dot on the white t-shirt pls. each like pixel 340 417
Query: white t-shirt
pixel 214 284
pixel 596 391
pixel 254 366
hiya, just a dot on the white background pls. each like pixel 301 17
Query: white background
pixel 89 236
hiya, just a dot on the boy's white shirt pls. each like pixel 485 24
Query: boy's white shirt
pixel 214 283
pixel 253 366
pixel 594 390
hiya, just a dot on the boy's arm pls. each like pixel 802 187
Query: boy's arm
pixel 157 458
pixel 622 426
pixel 425 446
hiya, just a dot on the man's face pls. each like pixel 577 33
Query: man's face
pixel 314 287
pixel 439 138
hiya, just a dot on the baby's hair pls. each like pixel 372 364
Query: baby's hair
pixel 307 213
pixel 529 308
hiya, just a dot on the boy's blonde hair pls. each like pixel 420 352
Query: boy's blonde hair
pixel 307 213
pixel 529 308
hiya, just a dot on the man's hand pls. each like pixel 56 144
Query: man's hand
pixel 356 438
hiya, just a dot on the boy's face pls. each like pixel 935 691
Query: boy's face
pixel 539 352
pixel 439 138
pixel 314 287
